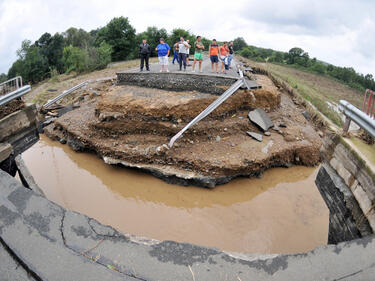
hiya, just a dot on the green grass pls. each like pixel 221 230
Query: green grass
pixel 316 88
pixel 368 150
pixel 309 94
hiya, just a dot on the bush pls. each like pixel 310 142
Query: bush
pixel 75 59
pixel 319 68
pixel 98 58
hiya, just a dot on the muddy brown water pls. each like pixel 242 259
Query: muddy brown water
pixel 282 212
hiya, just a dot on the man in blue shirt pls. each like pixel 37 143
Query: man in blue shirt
pixel 163 50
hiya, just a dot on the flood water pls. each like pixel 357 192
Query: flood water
pixel 281 213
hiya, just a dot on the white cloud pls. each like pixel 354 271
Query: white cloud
pixel 337 31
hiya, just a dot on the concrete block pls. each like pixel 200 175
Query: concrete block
pixel 354 185
pixel 334 163
pixel 371 219
pixel 17 122
pixel 362 199
pixel 345 174
pixel 5 151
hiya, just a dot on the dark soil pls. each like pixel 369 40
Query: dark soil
pixel 129 125
pixel 11 107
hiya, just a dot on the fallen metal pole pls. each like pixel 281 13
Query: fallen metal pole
pixel 358 116
pixel 64 93
pixel 15 94
pixel 232 89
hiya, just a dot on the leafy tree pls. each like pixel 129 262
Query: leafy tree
pixel 239 43
pixel 98 58
pixel 75 59
pixel 16 69
pixel 278 57
pixel 78 38
pixel 52 48
pixel 120 35
pixel 3 77
pixel 31 64
pixel 294 53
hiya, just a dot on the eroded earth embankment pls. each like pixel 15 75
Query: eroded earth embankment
pixel 129 124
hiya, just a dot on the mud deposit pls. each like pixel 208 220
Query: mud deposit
pixel 281 213
pixel 129 124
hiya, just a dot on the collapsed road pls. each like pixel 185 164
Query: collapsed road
pixel 131 122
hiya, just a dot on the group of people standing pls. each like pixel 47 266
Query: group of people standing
pixel 181 51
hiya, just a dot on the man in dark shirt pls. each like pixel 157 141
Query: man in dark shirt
pixel 231 53
pixel 144 53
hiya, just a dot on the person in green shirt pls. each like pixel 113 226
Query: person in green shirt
pixel 198 55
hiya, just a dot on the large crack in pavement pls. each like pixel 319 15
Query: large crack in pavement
pixel 84 254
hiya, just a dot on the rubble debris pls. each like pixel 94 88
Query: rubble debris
pixel 65 109
pixel 255 136
pixel 267 134
pixel 261 119
pixel 282 125
pixel 306 115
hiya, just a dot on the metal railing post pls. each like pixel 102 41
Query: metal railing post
pixel 352 113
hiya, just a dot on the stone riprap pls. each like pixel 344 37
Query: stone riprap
pixel 354 173
pixel 345 216
pixel 56 244
pixel 217 84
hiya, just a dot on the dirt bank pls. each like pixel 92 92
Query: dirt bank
pixel 11 107
pixel 127 125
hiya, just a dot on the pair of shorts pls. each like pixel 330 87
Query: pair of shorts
pixel 163 60
pixel 214 59
pixel 198 56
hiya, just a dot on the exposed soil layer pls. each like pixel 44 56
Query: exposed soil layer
pixel 128 126
pixel 11 107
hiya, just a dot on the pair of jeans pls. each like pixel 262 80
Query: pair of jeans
pixel 230 59
pixel 182 58
pixel 145 57
pixel 175 57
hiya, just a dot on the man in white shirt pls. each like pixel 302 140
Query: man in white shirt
pixel 183 48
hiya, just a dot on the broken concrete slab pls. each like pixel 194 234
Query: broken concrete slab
pixel 260 118
pixel 65 109
pixel 255 136
pixel 76 247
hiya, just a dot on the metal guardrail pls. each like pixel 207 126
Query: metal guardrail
pixel 352 113
pixel 10 85
pixel 64 93
pixel 15 94
pixel 232 89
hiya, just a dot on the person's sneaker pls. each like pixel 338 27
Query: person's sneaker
pixel 161 70
pixel 193 71
pixel 167 70
pixel 148 69
pixel 200 71
pixel 140 70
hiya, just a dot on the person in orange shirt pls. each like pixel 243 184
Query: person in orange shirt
pixel 224 57
pixel 214 52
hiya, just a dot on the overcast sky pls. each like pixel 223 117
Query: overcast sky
pixel 340 32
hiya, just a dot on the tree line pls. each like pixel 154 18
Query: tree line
pixel 297 57
pixel 78 50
